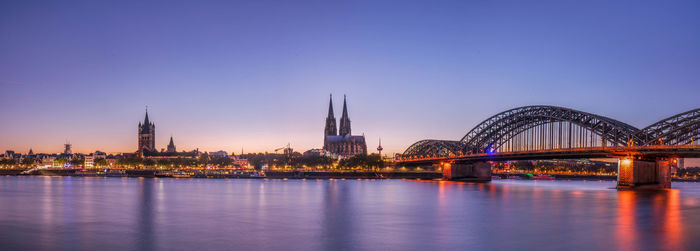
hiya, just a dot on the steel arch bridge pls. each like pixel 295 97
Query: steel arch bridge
pixel 542 128
pixel 435 147
pixel 680 129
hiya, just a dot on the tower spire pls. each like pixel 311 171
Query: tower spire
pixel 331 128
pixel 345 106
pixel 171 145
pixel 146 136
pixel 345 119
pixel 330 107
pixel 145 120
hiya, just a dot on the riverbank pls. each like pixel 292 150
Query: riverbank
pixel 214 174
pixel 238 174
pixel 563 176
pixel 583 177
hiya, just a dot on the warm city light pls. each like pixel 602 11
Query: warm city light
pixel 349 125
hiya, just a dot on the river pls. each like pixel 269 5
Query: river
pixel 91 213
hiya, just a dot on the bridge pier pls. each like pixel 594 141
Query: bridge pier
pixel 476 171
pixel 635 173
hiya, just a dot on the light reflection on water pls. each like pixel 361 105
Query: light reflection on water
pixel 49 213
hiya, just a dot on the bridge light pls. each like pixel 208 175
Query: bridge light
pixel 626 161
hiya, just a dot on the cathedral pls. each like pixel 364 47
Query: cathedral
pixel 340 141
pixel 147 137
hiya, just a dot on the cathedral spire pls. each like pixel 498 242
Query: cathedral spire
pixel 345 107
pixel 331 129
pixel 345 119
pixel 330 108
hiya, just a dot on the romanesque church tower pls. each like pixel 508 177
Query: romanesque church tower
pixel 147 137
pixel 171 146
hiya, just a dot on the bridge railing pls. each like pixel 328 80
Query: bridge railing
pixel 611 149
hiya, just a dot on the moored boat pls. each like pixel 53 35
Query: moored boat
pixel 543 177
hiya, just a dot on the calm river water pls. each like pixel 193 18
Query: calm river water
pixel 74 213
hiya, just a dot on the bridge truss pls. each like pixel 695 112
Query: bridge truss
pixel 537 128
pixel 680 129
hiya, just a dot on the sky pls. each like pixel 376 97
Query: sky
pixel 256 75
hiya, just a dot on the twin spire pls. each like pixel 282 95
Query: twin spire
pixel 344 120
pixel 330 108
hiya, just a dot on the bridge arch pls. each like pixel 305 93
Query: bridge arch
pixel 433 147
pixel 546 127
pixel 679 129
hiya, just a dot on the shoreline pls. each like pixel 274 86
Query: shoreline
pixel 219 174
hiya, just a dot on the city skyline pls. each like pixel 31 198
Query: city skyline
pixel 170 138
pixel 349 125
pixel 256 76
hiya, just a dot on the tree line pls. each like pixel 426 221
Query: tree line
pixel 256 160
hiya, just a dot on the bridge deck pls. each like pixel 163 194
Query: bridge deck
pixel 657 151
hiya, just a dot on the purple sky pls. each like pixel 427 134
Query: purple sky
pixel 222 75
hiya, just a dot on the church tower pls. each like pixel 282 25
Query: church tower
pixel 345 120
pixel 342 143
pixel 331 129
pixel 147 136
pixel 171 146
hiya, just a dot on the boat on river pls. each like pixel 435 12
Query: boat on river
pixel 543 177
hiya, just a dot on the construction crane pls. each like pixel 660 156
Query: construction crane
pixel 287 149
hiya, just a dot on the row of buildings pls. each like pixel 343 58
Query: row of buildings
pixel 338 143
pixel 64 159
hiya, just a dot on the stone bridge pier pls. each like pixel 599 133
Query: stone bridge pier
pixel 643 173
pixel 475 171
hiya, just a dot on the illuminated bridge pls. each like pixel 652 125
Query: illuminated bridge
pixel 551 132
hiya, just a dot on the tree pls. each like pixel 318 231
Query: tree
pixel 129 161
pixel 204 159
pixel 77 162
pixel 221 161
pixel 362 160
pixel 312 161
pixel 100 162
pixel 148 162
pixel 61 161
pixel 8 162
pixel 28 161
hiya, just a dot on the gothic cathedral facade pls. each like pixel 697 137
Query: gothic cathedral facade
pixel 340 141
